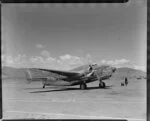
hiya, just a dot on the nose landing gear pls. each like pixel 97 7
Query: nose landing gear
pixel 44 82
pixel 44 86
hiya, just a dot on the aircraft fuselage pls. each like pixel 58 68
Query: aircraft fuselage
pixel 62 78
pixel 68 81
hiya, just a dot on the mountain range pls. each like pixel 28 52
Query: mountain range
pixel 121 73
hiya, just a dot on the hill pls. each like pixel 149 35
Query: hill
pixel 14 73
pixel 121 73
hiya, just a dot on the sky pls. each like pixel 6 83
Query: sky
pixel 65 36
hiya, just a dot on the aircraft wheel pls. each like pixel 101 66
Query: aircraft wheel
pixel 44 86
pixel 83 86
pixel 102 85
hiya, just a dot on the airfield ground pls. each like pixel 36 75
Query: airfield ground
pixel 31 101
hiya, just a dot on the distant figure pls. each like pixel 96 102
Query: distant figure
pixel 126 81
pixel 122 84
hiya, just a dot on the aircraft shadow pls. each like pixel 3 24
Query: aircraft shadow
pixel 71 89
pixel 33 88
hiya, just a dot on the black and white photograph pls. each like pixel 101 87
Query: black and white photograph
pixel 74 60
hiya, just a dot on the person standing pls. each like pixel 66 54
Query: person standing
pixel 126 81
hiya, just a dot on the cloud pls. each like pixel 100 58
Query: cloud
pixel 20 59
pixel 39 46
pixel 37 62
pixel 70 60
pixel 36 59
pixel 65 57
pixel 67 61
pixel 51 59
pixel 9 60
pixel 17 61
pixel 64 62
pixel 123 63
pixel 89 58
pixel 115 62
pixel 45 53
pixel 142 68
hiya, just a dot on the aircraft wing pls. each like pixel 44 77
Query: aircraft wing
pixel 35 74
pixel 63 73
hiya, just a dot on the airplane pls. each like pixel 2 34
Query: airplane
pixel 71 78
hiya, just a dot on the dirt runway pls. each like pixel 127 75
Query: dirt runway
pixel 26 101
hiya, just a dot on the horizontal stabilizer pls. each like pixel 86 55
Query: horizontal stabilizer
pixel 35 75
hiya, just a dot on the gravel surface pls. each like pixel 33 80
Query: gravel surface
pixel 30 101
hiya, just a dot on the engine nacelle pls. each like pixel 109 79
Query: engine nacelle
pixel 50 78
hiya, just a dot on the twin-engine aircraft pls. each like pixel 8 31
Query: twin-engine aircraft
pixel 71 78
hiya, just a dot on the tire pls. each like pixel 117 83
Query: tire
pixel 83 86
pixel 102 85
pixel 44 86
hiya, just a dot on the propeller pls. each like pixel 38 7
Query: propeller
pixel 90 61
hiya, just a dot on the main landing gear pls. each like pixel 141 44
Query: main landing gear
pixel 44 83
pixel 44 86
pixel 83 86
pixel 102 84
